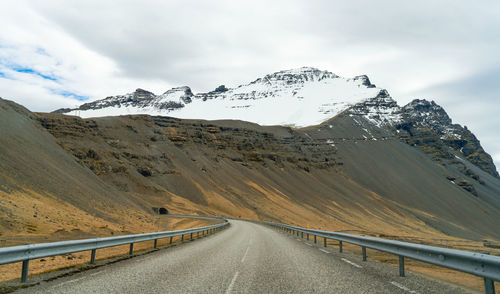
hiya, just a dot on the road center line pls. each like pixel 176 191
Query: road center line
pixel 323 250
pixel 351 263
pixel 403 288
pixel 245 255
pixel 232 283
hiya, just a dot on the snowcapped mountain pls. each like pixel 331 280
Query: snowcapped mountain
pixel 305 97
pixel 298 97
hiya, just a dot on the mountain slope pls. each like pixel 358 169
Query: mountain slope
pixel 328 175
pixel 44 191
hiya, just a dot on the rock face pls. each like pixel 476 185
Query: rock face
pixel 427 125
pixel 382 110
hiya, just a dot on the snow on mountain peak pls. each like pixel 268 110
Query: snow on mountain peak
pixel 300 97
pixel 381 110
pixel 179 94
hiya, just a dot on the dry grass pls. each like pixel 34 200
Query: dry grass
pixel 37 266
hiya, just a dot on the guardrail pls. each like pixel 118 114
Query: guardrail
pixel 482 265
pixel 25 253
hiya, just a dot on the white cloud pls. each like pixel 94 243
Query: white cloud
pixel 38 44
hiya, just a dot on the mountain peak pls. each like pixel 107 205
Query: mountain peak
pixel 427 112
pixel 142 94
pixel 304 96
pixel 299 75
pixel 364 81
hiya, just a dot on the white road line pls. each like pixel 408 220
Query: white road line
pixel 93 274
pixel 230 288
pixel 323 250
pixel 403 288
pixel 351 263
pixel 245 255
pixel 308 244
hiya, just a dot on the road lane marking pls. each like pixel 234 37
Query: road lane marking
pixel 245 255
pixel 308 244
pixel 403 288
pixel 230 288
pixel 351 263
pixel 323 250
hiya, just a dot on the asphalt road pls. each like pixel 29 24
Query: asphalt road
pixel 245 258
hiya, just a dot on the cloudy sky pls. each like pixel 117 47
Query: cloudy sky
pixel 57 54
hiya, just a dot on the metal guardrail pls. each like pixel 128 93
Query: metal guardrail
pixel 482 265
pixel 25 253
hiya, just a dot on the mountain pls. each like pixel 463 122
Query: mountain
pixel 304 97
pixel 46 193
pixel 361 163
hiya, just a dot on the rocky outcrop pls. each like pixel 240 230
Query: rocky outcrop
pixel 382 110
pixel 364 81
pixel 427 126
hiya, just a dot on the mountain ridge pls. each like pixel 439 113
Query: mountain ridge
pixel 298 91
pixel 304 97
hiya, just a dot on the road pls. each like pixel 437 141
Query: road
pixel 245 258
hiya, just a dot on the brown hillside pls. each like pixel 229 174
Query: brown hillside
pixel 296 176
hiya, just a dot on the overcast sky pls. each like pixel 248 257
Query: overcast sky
pixel 57 54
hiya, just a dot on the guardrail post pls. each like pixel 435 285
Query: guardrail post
pixel 24 271
pixel 155 244
pixel 340 246
pixel 297 234
pixel 131 251
pixel 324 241
pixel 489 286
pixel 191 236
pixel 307 236
pixel 171 239
pixel 315 239
pixel 197 234
pixel 363 250
pixel 301 235
pixel 401 266
pixel 92 256
pixel 182 238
